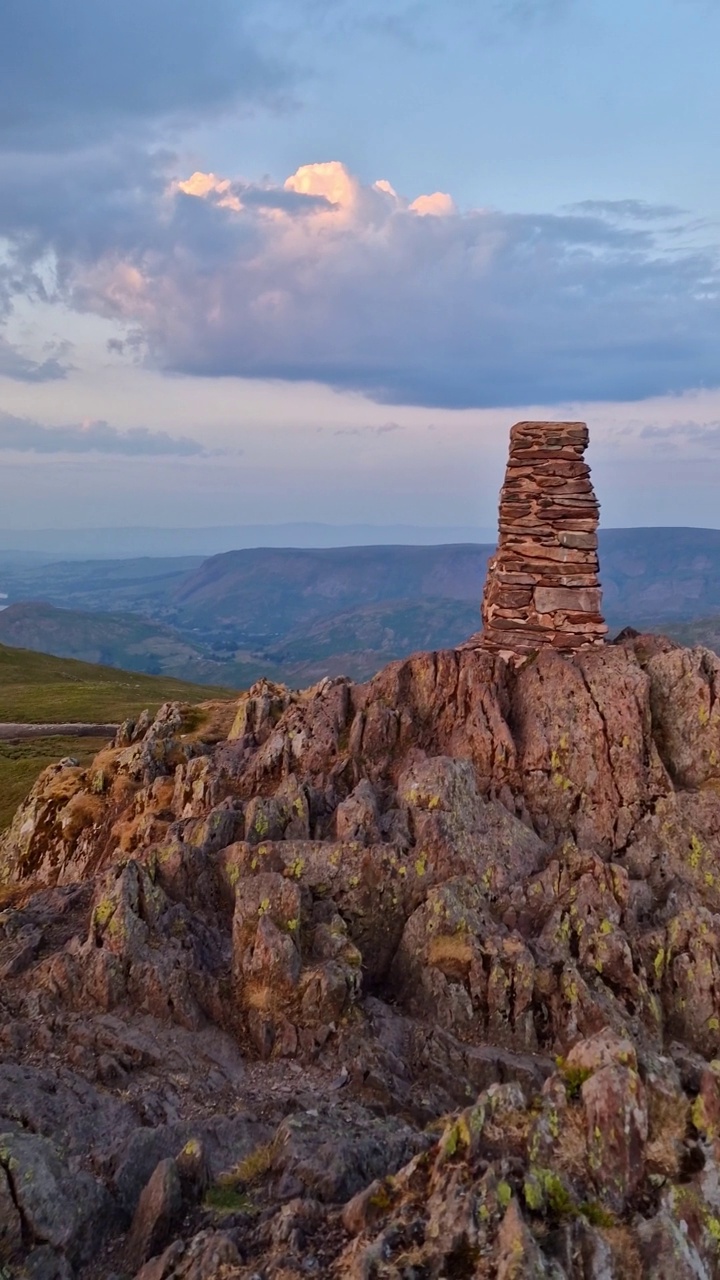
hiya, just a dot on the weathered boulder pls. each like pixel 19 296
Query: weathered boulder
pixel 684 688
pixel 473 976
pixel 518 1256
pixel 11 1236
pixel 334 1152
pixel 70 1212
pixel 208 1256
pixel 456 830
pixel 617 1128
pixel 586 759
pixel 667 1253
pixel 158 1212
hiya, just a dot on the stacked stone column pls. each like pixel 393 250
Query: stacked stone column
pixel 542 586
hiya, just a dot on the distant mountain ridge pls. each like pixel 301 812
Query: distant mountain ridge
pixel 647 574
pixel 275 590
pixel 297 614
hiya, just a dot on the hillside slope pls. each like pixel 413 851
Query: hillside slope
pixel 137 585
pixel 260 596
pixel 108 639
pixel 355 643
pixel 358 642
pixel 37 688
pixel 659 573
pixel 265 593
pixel 413 978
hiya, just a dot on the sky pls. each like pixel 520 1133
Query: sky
pixel 299 260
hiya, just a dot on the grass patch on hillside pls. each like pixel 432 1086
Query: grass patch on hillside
pixel 21 763
pixel 36 689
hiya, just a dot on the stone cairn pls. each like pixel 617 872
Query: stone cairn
pixel 542 585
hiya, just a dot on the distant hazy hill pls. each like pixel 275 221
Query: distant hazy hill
pixel 121 640
pixel 657 574
pixel 299 614
pixel 112 639
pixel 266 593
pixel 360 641
pixel 646 574
pixel 139 585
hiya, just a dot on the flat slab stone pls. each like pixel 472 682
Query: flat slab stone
pixel 576 599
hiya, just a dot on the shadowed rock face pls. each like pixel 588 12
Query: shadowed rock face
pixel 542 586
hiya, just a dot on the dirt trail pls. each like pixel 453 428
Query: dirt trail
pixel 10 732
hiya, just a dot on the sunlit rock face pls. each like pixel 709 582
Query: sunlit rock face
pixel 542 586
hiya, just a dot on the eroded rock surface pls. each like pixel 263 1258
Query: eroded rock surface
pixel 413 979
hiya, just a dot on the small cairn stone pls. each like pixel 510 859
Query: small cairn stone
pixel 542 585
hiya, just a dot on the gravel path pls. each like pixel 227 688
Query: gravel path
pixel 10 732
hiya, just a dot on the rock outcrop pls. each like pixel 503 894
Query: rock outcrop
pixel 418 978
pixel 542 585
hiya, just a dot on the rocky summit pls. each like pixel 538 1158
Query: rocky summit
pixel 412 979
pixel 542 585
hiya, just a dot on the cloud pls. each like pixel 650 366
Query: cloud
pixel 383 429
pixel 533 10
pixel 630 210
pixel 76 68
pixel 407 22
pixel 705 435
pixel 412 301
pixel 25 436
pixel 239 195
pixel 13 364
